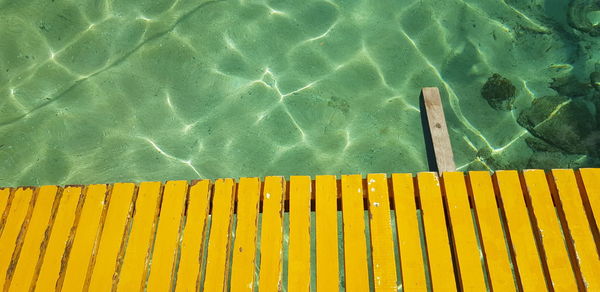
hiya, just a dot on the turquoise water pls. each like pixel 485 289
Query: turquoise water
pixel 105 91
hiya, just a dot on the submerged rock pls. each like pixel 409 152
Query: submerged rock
pixel 570 86
pixel 561 122
pixel 592 141
pixel 539 145
pixel 550 160
pixel 497 161
pixel 499 92
pixel 596 101
pixel 595 80
pixel 578 19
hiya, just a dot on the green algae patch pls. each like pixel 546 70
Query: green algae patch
pixel 499 92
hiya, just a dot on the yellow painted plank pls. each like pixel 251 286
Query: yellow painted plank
pixel 409 243
pixel 19 225
pixel 193 236
pixel 577 228
pixel 59 236
pixel 85 238
pixel 526 255
pixel 217 262
pixel 244 248
pixel 4 198
pixel 271 249
pixel 355 245
pixel 22 201
pixel 436 235
pixel 590 178
pixel 326 228
pixel 167 236
pixel 490 228
pixel 134 270
pixel 548 231
pixel 299 246
pixel 382 242
pixel 463 231
pixel 114 229
pixel 38 226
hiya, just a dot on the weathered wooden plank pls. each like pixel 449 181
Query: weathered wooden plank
pixel 23 200
pixel 217 262
pixel 439 131
pixel 382 241
pixel 526 256
pixel 583 249
pixel 548 231
pixel 355 245
pixel 409 243
pixel 167 236
pixel 113 233
pixel 271 249
pixel 49 271
pixel 192 245
pixel 30 251
pixel 244 247
pixel 463 231
pixel 492 237
pixel 590 189
pixel 436 235
pixel 32 241
pixel 5 195
pixel 326 228
pixel 137 255
pixel 299 246
pixel 85 238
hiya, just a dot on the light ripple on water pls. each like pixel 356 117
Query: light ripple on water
pixel 146 90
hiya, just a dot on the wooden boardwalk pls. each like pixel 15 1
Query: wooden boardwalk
pixel 529 231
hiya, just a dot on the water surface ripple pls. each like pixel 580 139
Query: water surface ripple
pixel 106 91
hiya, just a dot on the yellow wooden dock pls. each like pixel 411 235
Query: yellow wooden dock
pixel 510 231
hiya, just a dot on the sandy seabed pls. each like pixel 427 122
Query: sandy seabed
pixel 107 91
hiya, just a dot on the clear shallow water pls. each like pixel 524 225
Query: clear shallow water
pixel 105 91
